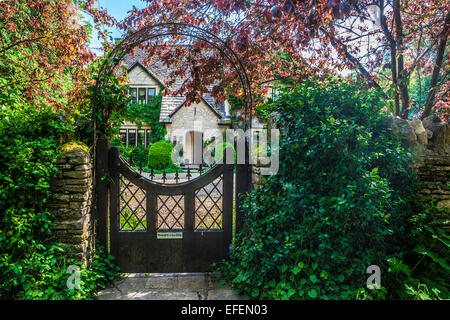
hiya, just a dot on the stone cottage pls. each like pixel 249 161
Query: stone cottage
pixel 191 125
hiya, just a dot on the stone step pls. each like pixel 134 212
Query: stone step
pixel 169 286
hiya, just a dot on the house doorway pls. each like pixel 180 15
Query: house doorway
pixel 194 147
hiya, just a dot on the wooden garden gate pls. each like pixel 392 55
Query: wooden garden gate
pixel 159 227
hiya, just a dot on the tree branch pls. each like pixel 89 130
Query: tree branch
pixel 437 68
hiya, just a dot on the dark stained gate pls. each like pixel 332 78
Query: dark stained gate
pixel 182 227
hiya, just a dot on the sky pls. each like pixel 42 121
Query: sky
pixel 119 10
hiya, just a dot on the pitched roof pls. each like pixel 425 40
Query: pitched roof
pixel 160 72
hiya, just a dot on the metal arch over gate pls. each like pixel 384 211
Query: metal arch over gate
pixel 148 246
pixel 156 31
pixel 152 243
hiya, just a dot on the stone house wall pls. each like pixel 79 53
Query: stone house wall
pixel 71 201
pixel 197 117
pixel 140 79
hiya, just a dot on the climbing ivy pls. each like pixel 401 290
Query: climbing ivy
pixel 148 114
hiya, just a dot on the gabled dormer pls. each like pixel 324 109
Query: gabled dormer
pixel 143 83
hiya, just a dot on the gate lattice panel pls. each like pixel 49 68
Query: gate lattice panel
pixel 170 211
pixel 132 206
pixel 208 206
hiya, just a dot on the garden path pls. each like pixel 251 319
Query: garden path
pixel 168 286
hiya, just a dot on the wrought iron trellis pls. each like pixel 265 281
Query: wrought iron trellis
pixel 169 29
pixel 134 254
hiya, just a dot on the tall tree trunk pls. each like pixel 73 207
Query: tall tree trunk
pixel 437 68
pixel 393 51
pixel 401 74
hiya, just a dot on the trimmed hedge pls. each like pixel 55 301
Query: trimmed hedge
pixel 160 155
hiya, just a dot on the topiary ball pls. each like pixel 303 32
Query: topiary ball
pixel 160 155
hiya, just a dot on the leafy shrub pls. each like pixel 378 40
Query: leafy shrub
pixel 140 155
pixel 31 265
pixel 171 168
pixel 420 270
pixel 160 155
pixel 342 190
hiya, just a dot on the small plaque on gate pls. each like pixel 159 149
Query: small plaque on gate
pixel 169 235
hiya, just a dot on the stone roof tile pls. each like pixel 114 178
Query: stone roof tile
pixel 161 72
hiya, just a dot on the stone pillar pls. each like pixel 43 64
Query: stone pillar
pixel 257 177
pixel 71 200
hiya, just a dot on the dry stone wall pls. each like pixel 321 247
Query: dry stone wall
pixel 430 141
pixel 71 201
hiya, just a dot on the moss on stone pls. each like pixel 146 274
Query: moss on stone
pixel 74 146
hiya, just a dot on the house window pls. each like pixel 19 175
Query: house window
pixel 151 92
pixel 123 136
pixel 142 99
pixel 131 137
pixel 133 93
pixel 142 95
pixel 141 137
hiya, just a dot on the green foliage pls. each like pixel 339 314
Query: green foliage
pixel 128 221
pixel 160 155
pixel 337 205
pixel 420 270
pixel 148 114
pixel 32 266
pixel 140 155
pixel 171 168
pixel 43 59
pixel 110 102
pixel 52 282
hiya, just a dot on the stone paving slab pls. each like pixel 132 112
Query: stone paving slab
pixel 168 286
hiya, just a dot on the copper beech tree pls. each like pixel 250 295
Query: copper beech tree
pixel 43 52
pixel 292 39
